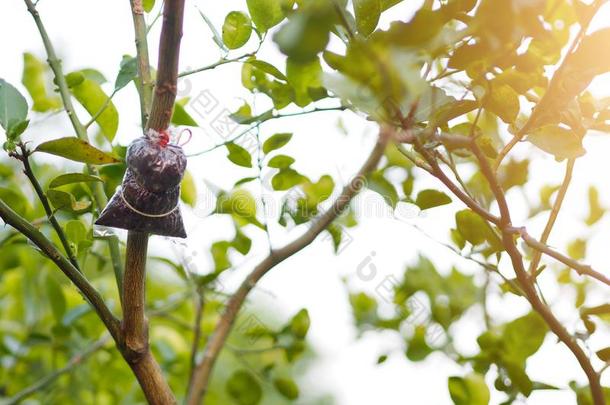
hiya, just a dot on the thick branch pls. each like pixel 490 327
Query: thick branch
pixel 134 325
pixel 167 69
pixel 90 293
pixel 203 372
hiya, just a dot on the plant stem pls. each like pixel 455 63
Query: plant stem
pixel 199 385
pixel 144 80
pixel 47 207
pixel 533 268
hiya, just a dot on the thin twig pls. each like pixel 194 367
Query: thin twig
pixel 533 268
pixel 144 80
pixel 199 309
pixel 95 116
pixel 27 169
pixel 203 372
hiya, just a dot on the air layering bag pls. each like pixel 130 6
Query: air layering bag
pixel 148 199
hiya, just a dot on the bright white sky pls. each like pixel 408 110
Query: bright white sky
pixel 87 34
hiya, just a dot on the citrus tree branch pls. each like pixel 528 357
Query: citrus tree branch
pixel 582 269
pixel 201 377
pixel 144 80
pixel 527 283
pixel 27 169
pixel 553 216
pixel 81 132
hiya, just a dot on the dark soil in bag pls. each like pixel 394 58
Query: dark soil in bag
pixel 148 199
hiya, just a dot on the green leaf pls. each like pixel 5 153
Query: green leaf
pixel 180 116
pixel 78 236
pixel 596 211
pixel 470 390
pixel 57 300
pixel 243 388
pixel 267 68
pixel 604 354
pixel 380 185
pixel 287 387
pixel 577 249
pixel 66 201
pixel 431 198
pixel 77 150
pixel 265 13
pixel 239 155
pixel 418 349
pixel 33 79
pixel 475 229
pixel 71 178
pixel 236 30
pixel 286 179
pixel 307 33
pixel 299 324
pixel 367 14
pixel 148 5
pixel 304 76
pixel 523 336
pixel 91 96
pixel 281 162
pixel 503 101
pixel 188 189
pixel 127 72
pixel 561 142
pixel 13 107
pixel 276 141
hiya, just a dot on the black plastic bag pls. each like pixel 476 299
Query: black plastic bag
pixel 148 199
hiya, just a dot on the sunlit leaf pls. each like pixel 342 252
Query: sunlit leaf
pixel 236 30
pixel 77 150
pixel 238 155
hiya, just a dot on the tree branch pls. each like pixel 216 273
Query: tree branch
pixel 144 80
pixel 27 169
pixel 203 372
pixel 581 269
pixel 553 216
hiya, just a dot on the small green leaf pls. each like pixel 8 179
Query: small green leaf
pixel 188 189
pixel 77 150
pixel 243 115
pixel 66 201
pixel 431 198
pixel 418 349
pixel 299 324
pixel 577 249
pixel 34 81
pixel 244 389
pixel 470 390
pixel 13 107
pixel 91 96
pixel 281 162
pixel 523 336
pixel 71 178
pixel 474 229
pixel 265 13
pixel 57 300
pixel 286 179
pixel 239 155
pixel 379 184
pixel 561 142
pixel 596 211
pixel 276 141
pixel 304 76
pixel 148 5
pixel 604 354
pixel 367 14
pixel 180 116
pixel 128 71
pixel 267 68
pixel 236 30
pixel 287 387
pixel 503 101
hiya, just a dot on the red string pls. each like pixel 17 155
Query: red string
pixel 163 138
